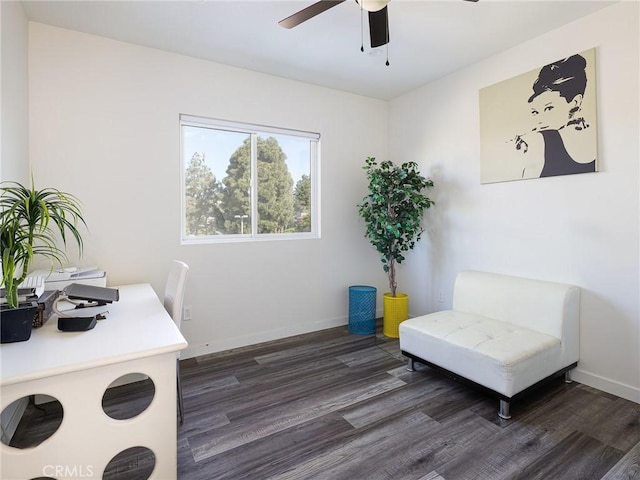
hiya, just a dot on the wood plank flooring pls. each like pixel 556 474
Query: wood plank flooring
pixel 330 405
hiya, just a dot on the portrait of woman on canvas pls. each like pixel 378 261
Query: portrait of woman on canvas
pixel 557 137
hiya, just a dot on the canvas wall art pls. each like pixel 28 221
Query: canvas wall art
pixel 541 123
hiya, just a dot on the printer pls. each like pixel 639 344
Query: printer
pixel 59 279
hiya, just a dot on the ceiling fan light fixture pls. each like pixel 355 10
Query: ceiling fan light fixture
pixel 373 5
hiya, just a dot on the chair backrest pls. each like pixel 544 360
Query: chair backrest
pixel 174 290
pixel 548 307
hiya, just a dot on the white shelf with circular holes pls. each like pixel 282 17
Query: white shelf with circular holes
pixel 137 337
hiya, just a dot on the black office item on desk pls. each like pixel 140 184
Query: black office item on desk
pixel 91 293
pixel 45 307
pixel 15 323
pixel 22 292
pixel 76 324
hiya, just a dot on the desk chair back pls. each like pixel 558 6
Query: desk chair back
pixel 173 299
pixel 174 290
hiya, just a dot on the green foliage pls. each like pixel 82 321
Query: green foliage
pixel 236 187
pixel 214 207
pixel 302 204
pixel 30 220
pixel 393 211
pixel 203 213
pixel 275 188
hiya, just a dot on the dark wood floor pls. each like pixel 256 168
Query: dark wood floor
pixel 331 405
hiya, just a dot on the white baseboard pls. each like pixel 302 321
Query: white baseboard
pixel 260 337
pixel 618 389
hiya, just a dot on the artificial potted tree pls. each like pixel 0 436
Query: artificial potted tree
pixel 33 223
pixel 393 212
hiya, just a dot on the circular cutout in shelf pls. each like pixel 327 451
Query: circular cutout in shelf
pixel 134 462
pixel 40 417
pixel 128 396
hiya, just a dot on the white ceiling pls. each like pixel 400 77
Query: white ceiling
pixel 429 38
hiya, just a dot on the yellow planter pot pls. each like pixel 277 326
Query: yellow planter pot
pixel 396 311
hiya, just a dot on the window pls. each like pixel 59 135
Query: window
pixel 247 182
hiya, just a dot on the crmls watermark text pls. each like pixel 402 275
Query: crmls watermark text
pixel 68 471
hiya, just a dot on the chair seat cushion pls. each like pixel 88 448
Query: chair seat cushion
pixel 502 356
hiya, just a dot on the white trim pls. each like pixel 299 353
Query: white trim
pixel 260 337
pixel 628 392
pixel 263 237
pixel 183 206
pixel 243 127
pixel 315 190
pixel 253 184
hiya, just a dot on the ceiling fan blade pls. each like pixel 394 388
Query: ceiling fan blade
pixel 307 13
pixel 379 27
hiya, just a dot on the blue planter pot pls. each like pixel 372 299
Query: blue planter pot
pixel 362 310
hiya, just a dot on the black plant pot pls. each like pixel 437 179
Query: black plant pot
pixel 16 323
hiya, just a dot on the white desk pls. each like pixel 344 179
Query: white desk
pixel 138 336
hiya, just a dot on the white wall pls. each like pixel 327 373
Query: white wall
pixel 14 122
pixel 14 133
pixel 104 126
pixel 579 229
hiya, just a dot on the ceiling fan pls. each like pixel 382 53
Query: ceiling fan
pixel 378 17
pixel 377 10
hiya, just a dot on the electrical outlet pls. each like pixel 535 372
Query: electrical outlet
pixel 441 296
pixel 187 313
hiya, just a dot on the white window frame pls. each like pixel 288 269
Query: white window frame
pixel 253 130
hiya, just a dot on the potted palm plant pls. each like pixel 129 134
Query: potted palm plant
pixel 32 223
pixel 393 212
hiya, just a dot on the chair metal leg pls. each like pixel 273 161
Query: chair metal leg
pixel 503 412
pixel 179 384
pixel 410 366
pixel 567 377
